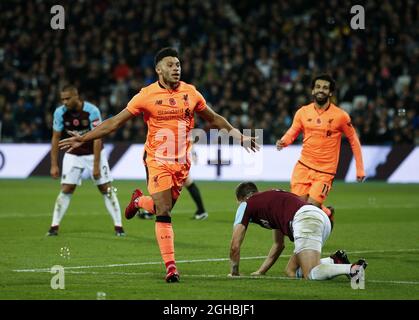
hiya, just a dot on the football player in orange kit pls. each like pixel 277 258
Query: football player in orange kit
pixel 168 107
pixel 322 124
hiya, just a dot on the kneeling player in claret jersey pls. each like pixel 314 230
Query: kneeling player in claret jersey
pixel 304 224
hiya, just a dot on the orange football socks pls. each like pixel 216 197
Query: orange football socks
pixel 165 238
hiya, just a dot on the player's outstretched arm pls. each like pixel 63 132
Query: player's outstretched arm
pixel 274 253
pixel 239 232
pixel 353 139
pixel 292 133
pixel 55 170
pixel 97 148
pixel 217 121
pixel 280 144
pixel 100 131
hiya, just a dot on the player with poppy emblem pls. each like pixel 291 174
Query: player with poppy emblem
pixel 80 116
pixel 168 107
pixel 322 124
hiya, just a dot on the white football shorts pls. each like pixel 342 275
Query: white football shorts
pixel 311 228
pixel 73 167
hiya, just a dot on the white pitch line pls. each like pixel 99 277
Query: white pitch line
pixel 217 276
pixel 140 264
pixel 337 207
pixel 196 261
pixel 21 215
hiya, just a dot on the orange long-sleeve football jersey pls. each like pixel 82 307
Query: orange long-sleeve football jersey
pixel 169 115
pixel 322 132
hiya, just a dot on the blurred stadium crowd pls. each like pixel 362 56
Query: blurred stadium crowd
pixel 252 60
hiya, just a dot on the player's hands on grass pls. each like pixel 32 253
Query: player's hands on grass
pixel 71 143
pixel 280 144
pixel 249 143
pixel 55 172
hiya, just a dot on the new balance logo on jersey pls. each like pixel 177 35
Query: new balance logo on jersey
pixel 158 102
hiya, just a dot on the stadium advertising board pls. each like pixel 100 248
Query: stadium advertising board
pixel 224 163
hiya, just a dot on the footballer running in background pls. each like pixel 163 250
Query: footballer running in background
pixel 81 116
pixel 200 213
pixel 322 124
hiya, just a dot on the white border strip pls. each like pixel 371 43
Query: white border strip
pixel 195 261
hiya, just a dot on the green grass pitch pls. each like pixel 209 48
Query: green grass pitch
pixel 377 221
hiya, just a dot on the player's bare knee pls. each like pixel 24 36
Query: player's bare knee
pixel 163 209
pixel 68 188
pixel 306 275
pixel 314 202
pixel 104 188
pixel 304 197
pixel 289 272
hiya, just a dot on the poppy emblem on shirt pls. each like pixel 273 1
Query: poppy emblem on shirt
pixel 156 182
pixel 76 122
pixel 186 100
pixel 319 121
pixel 172 102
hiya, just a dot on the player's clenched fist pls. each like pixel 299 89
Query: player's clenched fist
pixel 55 172
pixel 280 144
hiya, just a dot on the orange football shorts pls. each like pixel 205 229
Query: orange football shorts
pixel 307 181
pixel 165 175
